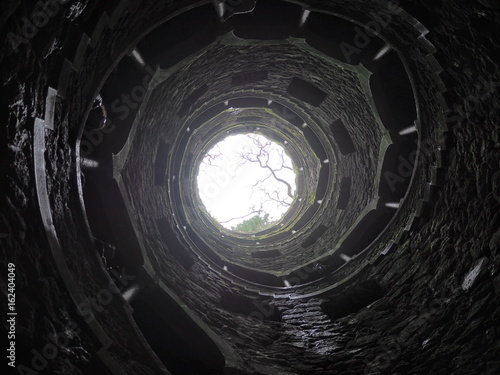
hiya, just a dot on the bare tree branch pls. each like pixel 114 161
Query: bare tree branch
pixel 263 157
pixel 273 188
pixel 213 155
pixel 242 217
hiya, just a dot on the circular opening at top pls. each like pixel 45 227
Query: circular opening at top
pixel 247 182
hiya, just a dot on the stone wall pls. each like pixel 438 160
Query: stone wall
pixel 440 311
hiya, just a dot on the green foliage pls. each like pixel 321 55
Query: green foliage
pixel 254 224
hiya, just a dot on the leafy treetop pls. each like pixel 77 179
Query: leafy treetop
pixel 254 224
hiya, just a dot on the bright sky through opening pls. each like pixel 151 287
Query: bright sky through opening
pixel 246 175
